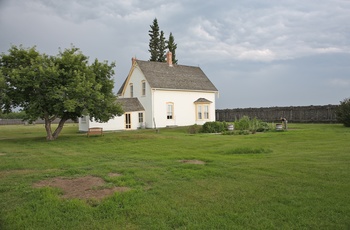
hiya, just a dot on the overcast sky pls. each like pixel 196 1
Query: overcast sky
pixel 258 53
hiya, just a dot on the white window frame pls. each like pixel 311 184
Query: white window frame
pixel 128 121
pixel 199 112
pixel 202 111
pixel 169 110
pixel 141 117
pixel 206 112
pixel 131 89
pixel 143 88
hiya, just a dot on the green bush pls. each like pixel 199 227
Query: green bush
pixel 243 126
pixel 13 115
pixel 263 126
pixel 243 123
pixel 343 112
pixel 214 127
pixel 243 132
pixel 228 133
pixel 253 125
pixel 193 129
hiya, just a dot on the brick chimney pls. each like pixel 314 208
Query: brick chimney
pixel 133 60
pixel 169 58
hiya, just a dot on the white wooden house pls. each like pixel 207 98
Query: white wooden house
pixel 166 95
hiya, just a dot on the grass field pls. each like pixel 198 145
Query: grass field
pixel 297 179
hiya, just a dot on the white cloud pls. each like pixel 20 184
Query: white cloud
pixel 340 83
pixel 257 55
pixel 246 37
pixel 202 34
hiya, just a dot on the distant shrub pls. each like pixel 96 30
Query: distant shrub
pixel 243 123
pixel 243 126
pixel 253 125
pixel 193 129
pixel 263 126
pixel 243 132
pixel 228 133
pixel 214 127
pixel 343 112
pixel 13 115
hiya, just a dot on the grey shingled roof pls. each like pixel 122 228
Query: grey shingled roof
pixel 160 75
pixel 130 104
pixel 202 100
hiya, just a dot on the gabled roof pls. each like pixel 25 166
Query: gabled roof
pixel 160 75
pixel 202 100
pixel 130 104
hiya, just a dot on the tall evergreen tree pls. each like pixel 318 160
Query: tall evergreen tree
pixel 154 41
pixel 171 45
pixel 162 47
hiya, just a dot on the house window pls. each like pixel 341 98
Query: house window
pixel 170 110
pixel 131 90
pixel 206 111
pixel 143 93
pixel 202 112
pixel 140 117
pixel 199 112
pixel 127 121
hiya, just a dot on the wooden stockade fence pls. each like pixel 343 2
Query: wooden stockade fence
pixel 298 114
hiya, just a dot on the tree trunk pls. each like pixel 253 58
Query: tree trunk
pixel 49 136
pixel 48 121
pixel 59 128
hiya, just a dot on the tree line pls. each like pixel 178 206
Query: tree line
pixel 13 115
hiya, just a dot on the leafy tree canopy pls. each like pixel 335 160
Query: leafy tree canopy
pixel 343 112
pixel 65 86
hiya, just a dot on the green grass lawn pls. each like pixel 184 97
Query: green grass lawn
pixel 297 179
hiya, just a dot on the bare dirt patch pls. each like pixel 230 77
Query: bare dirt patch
pixel 2 154
pixel 195 162
pixel 88 187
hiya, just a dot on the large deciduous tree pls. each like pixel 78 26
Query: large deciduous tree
pixel 60 87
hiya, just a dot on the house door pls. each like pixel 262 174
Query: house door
pixel 127 121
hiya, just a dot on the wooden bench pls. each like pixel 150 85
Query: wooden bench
pixel 95 131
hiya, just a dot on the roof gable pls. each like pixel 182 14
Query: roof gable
pixel 202 101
